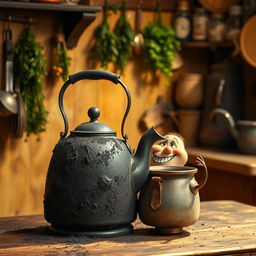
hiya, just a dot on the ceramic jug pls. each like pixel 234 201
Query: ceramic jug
pixel 224 89
pixel 243 131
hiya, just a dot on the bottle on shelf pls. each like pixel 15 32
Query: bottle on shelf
pixel 182 21
pixel 234 23
pixel 216 28
pixel 200 25
pixel 248 9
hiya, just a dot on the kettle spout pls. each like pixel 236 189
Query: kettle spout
pixel 141 159
pixel 228 117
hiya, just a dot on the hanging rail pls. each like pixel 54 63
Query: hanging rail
pixel 11 19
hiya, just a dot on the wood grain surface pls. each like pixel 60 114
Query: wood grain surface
pixel 234 162
pixel 232 176
pixel 224 228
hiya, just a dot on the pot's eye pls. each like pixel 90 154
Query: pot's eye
pixel 173 144
pixel 163 143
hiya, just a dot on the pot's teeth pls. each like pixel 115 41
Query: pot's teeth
pixel 163 160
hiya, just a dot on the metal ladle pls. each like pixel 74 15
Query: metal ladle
pixel 8 104
pixel 138 39
pixel 8 101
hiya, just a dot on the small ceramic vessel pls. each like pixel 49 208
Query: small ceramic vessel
pixel 169 200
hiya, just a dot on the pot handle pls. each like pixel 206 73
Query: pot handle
pixel 156 195
pixel 93 75
pixel 195 188
pixel 219 93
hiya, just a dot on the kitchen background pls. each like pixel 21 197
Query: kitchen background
pixel 24 161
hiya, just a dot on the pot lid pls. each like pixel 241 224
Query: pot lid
pixel 171 170
pixel 94 127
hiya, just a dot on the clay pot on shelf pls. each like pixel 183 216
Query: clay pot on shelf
pixel 189 91
pixel 187 121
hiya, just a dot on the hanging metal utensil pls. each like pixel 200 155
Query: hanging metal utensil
pixel 14 97
pixel 19 120
pixel 8 102
pixel 138 39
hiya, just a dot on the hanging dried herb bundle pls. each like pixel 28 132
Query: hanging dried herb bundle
pixel 160 45
pixel 105 48
pixel 62 61
pixel 125 36
pixel 29 70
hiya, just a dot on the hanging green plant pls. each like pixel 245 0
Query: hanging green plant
pixel 62 60
pixel 29 70
pixel 105 48
pixel 160 45
pixel 125 36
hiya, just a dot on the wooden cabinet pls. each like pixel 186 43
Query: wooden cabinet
pixel 232 175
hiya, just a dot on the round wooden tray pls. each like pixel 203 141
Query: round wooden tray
pixel 217 5
pixel 247 41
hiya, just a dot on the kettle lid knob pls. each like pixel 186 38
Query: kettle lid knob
pixel 93 127
pixel 94 114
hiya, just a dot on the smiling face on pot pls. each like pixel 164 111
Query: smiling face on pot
pixel 169 151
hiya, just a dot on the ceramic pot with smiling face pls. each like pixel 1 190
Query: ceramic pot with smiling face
pixel 169 200
pixel 169 151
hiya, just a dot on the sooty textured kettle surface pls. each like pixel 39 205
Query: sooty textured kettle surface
pixel 89 183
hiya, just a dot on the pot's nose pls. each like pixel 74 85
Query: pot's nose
pixel 167 150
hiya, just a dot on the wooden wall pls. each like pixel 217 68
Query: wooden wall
pixel 23 164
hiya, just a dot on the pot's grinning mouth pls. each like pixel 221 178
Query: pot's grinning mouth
pixel 162 160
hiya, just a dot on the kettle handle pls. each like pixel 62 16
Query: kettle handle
pixel 93 75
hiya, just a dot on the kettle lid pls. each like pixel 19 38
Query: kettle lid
pixel 94 127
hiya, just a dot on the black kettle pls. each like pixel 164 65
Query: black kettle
pixel 93 177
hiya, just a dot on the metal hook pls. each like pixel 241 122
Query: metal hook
pixel 29 20
pixel 9 19
pixel 139 3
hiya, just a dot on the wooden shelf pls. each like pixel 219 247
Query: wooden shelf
pixel 76 18
pixel 228 161
pixel 206 44
pixel 166 5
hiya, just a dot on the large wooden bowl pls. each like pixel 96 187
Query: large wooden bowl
pixel 248 41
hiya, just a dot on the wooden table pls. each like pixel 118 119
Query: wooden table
pixel 224 228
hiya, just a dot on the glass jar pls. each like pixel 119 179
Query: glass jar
pixel 200 25
pixel 182 21
pixel 217 28
pixel 234 23
pixel 249 9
